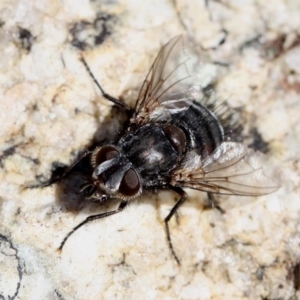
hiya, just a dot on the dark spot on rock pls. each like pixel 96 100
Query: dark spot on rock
pixel 257 141
pixel 12 262
pixel 255 42
pixel 100 24
pixel 26 38
pixel 36 161
pixel 59 296
pixel 86 35
pixel 6 153
pixel 278 46
pixel 223 40
pixel 259 274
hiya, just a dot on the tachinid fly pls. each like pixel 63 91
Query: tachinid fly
pixel 176 138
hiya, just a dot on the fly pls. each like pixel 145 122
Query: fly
pixel 175 139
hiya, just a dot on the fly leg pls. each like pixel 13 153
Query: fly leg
pixel 104 94
pixel 65 174
pixel 92 218
pixel 214 203
pixel 182 194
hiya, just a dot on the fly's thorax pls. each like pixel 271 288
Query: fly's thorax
pixel 154 149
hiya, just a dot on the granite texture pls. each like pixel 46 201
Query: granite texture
pixel 51 110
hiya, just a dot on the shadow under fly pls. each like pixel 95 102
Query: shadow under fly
pixel 177 137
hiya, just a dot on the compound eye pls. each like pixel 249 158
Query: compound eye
pixel 130 184
pixel 103 154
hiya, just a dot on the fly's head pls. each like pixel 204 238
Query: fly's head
pixel 113 176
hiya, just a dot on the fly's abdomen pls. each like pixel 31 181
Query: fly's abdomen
pixel 202 128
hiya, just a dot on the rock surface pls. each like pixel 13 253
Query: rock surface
pixel 51 110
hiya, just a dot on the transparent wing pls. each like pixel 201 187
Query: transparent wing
pixel 176 74
pixel 232 169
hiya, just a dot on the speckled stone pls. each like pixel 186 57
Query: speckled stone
pixel 51 110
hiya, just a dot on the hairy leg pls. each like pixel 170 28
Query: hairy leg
pixel 182 194
pixel 92 218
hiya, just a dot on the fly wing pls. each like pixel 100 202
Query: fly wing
pixel 176 74
pixel 231 169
